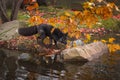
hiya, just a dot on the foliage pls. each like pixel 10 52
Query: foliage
pixel 32 7
pixel 108 24
pixel 70 21
pixel 113 47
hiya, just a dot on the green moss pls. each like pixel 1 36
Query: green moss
pixel 110 24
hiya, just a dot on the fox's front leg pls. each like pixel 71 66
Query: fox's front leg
pixel 50 41
pixel 40 39
pixel 56 43
pixel 55 38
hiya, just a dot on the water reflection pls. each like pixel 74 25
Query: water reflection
pixel 13 68
pixel 104 68
pixel 44 71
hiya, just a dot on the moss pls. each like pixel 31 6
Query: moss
pixel 109 24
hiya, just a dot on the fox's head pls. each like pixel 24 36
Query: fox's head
pixel 63 39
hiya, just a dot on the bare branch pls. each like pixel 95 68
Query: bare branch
pixel 3 12
pixel 15 8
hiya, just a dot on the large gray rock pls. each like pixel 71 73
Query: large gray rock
pixel 89 51
pixel 8 29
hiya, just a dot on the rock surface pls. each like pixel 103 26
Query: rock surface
pixel 8 29
pixel 89 51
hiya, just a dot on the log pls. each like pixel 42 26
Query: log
pixel 89 51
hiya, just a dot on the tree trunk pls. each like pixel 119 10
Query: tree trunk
pixel 3 11
pixel 42 2
pixel 15 8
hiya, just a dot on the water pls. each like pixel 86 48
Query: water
pixel 107 67
pixel 104 68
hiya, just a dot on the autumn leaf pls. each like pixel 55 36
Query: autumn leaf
pixel 34 6
pixel 46 40
pixel 65 30
pixel 63 17
pixel 104 12
pixel 111 40
pixel 88 5
pixel 113 47
pixel 77 34
pixel 88 36
pixel 110 5
pixel 67 14
pixel 68 44
pixel 74 45
pixel 76 12
pixel 95 41
pixel 104 41
pixel 69 21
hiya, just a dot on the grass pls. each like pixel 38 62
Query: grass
pixel 112 24
pixel 51 11
pixel 22 15
pixel 109 24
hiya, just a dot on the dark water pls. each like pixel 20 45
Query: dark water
pixel 107 67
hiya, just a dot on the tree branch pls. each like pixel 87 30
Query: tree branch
pixel 15 8
pixel 3 12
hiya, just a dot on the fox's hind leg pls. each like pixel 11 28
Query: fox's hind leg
pixel 41 38
pixel 56 45
pixel 55 38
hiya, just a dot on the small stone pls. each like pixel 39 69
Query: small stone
pixel 24 56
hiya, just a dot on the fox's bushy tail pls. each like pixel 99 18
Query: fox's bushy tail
pixel 28 31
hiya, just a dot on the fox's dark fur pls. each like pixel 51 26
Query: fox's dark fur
pixel 45 30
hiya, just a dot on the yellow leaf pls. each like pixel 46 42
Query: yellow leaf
pixel 95 41
pixel 88 5
pixel 88 36
pixel 76 12
pixel 113 47
pixel 104 41
pixel 67 14
pixel 111 40
pixel 65 30
pixel 46 40
pixel 74 45
pixel 32 7
pixel 85 41
pixel 77 35
pixel 63 17
pixel 110 5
